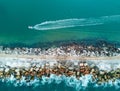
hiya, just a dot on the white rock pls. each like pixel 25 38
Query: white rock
pixel 75 63
pixel 6 69
pixel 85 64
pixel 36 69
pixel 1 69
pixel 18 73
pixel 17 70
pixel 31 69
pixel 81 64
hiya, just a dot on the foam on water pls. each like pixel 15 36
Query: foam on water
pixel 82 83
pixel 75 22
pixel 107 65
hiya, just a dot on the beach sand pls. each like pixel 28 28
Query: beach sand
pixel 57 58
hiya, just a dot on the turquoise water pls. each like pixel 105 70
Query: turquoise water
pixel 58 83
pixel 17 15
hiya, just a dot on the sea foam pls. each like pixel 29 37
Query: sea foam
pixel 82 83
pixel 75 22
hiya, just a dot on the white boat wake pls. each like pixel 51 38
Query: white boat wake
pixel 75 22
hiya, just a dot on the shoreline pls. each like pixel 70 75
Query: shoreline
pixel 49 44
pixel 68 51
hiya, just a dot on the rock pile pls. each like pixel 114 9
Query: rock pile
pixel 66 50
pixel 67 68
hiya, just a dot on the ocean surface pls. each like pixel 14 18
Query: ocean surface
pixel 96 19
pixel 58 83
pixel 32 21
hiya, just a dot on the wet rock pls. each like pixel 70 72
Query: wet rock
pixel 1 73
pixel 102 72
pixel 6 69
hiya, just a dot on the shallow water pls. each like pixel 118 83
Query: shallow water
pixel 15 17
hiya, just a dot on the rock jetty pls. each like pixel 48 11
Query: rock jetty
pixel 60 67
pixel 67 68
pixel 104 50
